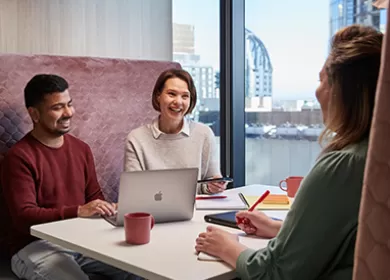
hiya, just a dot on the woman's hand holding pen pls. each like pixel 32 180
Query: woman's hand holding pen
pixel 257 223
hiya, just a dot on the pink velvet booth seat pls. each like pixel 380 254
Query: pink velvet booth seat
pixel 111 97
pixel 372 255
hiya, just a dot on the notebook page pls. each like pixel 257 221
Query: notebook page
pixel 206 257
pixel 232 202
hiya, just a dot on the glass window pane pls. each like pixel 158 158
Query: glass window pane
pixel 196 48
pixel 286 46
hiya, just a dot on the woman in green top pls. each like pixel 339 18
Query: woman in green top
pixel 317 238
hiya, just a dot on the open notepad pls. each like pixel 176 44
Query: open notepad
pixel 272 202
pixel 231 202
pixel 206 257
pixel 242 202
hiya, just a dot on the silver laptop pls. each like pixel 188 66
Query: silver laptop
pixel 169 194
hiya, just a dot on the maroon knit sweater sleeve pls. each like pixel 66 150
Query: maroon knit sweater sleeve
pixel 20 195
pixel 42 185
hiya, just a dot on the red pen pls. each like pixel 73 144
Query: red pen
pixel 211 197
pixel 253 207
pixel 261 198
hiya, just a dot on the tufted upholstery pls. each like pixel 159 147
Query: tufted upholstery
pixel 111 97
pixel 372 256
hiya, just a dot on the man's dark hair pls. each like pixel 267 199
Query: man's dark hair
pixel 41 85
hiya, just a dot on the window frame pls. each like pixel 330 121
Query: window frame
pixel 232 84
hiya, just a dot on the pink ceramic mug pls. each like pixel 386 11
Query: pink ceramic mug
pixel 137 227
pixel 292 184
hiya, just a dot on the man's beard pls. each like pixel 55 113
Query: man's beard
pixel 59 132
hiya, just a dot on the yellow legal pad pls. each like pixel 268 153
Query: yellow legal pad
pixel 272 202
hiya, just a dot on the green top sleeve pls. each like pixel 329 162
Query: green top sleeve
pixel 320 228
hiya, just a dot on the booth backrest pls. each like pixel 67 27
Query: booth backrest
pixel 111 97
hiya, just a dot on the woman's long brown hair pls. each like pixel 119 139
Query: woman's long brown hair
pixel 353 69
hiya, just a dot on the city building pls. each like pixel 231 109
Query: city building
pixel 183 38
pixel 347 12
pixel 184 53
pixel 204 80
pixel 342 13
pixel 258 74
pixel 367 14
pixel 258 70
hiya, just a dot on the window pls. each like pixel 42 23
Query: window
pixel 198 20
pixel 286 43
pixel 383 18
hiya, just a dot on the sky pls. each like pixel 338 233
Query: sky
pixel 295 33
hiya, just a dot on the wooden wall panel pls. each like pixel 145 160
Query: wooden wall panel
pixel 139 29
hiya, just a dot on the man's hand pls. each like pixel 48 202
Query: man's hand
pixel 97 207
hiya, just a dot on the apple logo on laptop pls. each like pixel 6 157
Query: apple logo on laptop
pixel 158 196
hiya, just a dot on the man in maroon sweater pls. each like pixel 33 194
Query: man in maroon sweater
pixel 48 176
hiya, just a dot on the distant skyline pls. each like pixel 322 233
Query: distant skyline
pixel 295 33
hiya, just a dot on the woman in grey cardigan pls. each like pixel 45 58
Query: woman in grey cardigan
pixel 171 140
pixel 317 239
